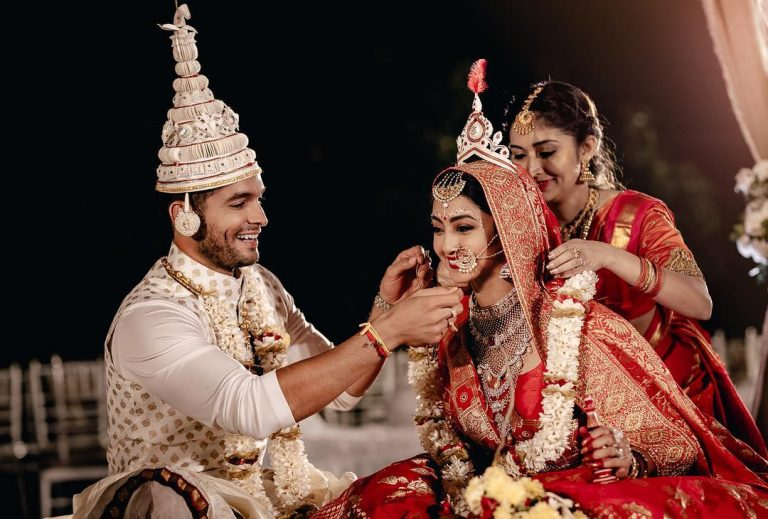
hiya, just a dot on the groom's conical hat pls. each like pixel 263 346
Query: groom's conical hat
pixel 202 148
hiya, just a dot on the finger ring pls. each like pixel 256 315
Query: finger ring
pixel 581 262
pixel 618 436
pixel 576 252
pixel 620 452
pixel 453 313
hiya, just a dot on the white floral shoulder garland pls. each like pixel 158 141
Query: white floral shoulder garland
pixel 269 351
pixel 442 442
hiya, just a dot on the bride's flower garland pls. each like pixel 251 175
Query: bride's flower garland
pixel 254 342
pixel 442 442
pixel 436 434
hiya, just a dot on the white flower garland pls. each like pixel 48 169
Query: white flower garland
pixel 255 341
pixel 436 435
pixel 751 233
pixel 562 365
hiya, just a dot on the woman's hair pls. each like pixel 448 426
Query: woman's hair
pixel 472 190
pixel 571 110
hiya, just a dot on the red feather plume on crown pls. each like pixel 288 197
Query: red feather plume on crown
pixel 476 78
pixel 478 139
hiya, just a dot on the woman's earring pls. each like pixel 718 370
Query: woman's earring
pixel 585 174
pixel 505 272
pixel 187 222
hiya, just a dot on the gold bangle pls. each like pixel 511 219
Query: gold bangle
pixel 655 288
pixel 650 277
pixel 633 468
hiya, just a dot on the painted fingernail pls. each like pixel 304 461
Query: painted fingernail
pixel 583 430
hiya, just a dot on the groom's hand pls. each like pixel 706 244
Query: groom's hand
pixel 422 318
pixel 410 271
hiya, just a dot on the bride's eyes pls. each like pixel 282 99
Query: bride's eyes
pixel 464 228
pixel 518 156
pixel 546 154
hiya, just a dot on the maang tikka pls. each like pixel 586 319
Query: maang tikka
pixel 187 222
pixel 449 187
pixel 525 120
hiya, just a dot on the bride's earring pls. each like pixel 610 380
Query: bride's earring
pixel 505 272
pixel 187 222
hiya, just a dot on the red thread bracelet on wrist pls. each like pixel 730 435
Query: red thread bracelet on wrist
pixel 373 337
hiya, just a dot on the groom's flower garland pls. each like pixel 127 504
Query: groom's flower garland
pixel 254 342
pixel 562 365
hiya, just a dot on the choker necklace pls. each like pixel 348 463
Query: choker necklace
pixel 583 220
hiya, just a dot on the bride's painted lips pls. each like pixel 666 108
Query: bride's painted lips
pixel 543 184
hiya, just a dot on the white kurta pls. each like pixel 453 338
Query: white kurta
pixel 173 394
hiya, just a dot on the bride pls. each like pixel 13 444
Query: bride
pixel 515 380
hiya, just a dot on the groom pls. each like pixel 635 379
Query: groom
pixel 210 364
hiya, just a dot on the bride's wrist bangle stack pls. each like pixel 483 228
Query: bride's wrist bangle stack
pixel 638 468
pixel 375 339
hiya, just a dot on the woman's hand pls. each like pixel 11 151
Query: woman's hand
pixel 605 447
pixel 576 256
pixel 410 271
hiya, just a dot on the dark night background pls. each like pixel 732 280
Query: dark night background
pixel 352 109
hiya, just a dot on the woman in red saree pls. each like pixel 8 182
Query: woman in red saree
pixel 488 386
pixel 647 273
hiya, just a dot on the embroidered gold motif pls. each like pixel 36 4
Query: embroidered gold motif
pixel 657 430
pixel 416 487
pixel 394 480
pixel 682 262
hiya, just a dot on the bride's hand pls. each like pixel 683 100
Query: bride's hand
pixel 410 271
pixel 604 447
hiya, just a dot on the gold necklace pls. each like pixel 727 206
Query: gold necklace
pixel 586 214
pixel 184 281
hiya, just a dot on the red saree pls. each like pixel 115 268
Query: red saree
pixel 645 227
pixel 704 471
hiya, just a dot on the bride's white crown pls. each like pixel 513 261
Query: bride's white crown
pixel 477 139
